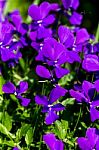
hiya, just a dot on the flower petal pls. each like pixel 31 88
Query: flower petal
pixel 66 36
pixel 48 20
pixel 43 72
pixel 59 145
pixel 24 101
pixel 88 89
pixel 78 96
pixel 91 63
pixel 94 114
pixel 8 88
pixel 56 93
pixel 76 18
pixel 41 100
pixel 92 136
pixel 82 36
pixel 51 117
pixel 52 142
pixel 58 107
pixel 83 143
pixel 49 139
pixel 34 12
pixel 44 9
pixel 23 86
pixel 60 72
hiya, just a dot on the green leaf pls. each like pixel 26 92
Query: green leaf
pixel 36 2
pixel 61 128
pixel 84 125
pixel 13 97
pixel 68 101
pixel 1 114
pixel 1 84
pixel 7 121
pixel 29 136
pixel 97 34
pixel 70 142
pixel 66 79
pixel 4 130
pixel 22 131
pixel 9 143
pixel 22 63
pixel 64 124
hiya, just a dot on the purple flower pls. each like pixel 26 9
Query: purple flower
pixel 16 19
pixel 66 37
pixel 54 54
pixel 2 4
pixel 70 4
pixel 20 28
pixel 73 43
pixel 82 36
pixel 86 94
pixel 91 63
pixel 9 49
pixel 42 19
pixel 75 18
pixel 91 48
pixel 52 142
pixel 91 141
pixel 48 106
pixel 15 148
pixel 9 88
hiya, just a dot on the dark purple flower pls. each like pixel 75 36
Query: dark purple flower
pixel 20 28
pixel 55 55
pixel 82 36
pixel 9 48
pixel 70 4
pixel 15 148
pixel 66 36
pixel 52 142
pixel 73 43
pixel 42 19
pixel 86 94
pixel 2 4
pixel 48 106
pixel 17 21
pixel 11 89
pixel 91 63
pixel 91 48
pixel 75 18
pixel 91 141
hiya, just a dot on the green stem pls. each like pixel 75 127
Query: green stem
pixel 77 121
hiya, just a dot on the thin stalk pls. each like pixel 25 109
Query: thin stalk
pixel 77 121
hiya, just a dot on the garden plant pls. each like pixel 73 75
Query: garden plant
pixel 49 77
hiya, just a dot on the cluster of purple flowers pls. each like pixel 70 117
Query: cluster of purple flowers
pixel 56 45
pixel 12 36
